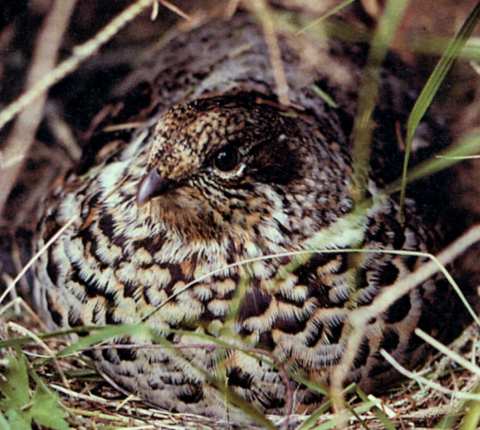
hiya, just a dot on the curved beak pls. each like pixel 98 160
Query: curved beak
pixel 152 185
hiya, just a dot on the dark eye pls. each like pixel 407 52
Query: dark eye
pixel 226 159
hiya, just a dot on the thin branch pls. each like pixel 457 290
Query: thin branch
pixel 176 9
pixel 80 54
pixel 44 58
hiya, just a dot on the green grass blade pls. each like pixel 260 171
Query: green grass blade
pixel 431 87
pixel 471 419
pixel 327 98
pixel 368 94
pixel 25 340
pixel 102 334
pixel 311 385
pixel 469 145
pixel 382 417
pixel 333 423
pixel 471 415
pixel 4 423
pixel 436 45
pixel 311 421
pixel 448 422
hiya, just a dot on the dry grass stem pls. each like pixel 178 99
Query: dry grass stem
pixel 324 17
pixel 64 134
pixel 80 54
pixel 469 240
pixel 437 264
pixel 448 352
pixel 261 10
pixel 12 285
pixel 124 126
pixel 44 57
pixel 11 162
pixel 21 303
pixel 420 380
pixel 175 9
pixel 12 304
pixel 23 331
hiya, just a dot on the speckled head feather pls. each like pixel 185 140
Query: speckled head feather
pixel 225 165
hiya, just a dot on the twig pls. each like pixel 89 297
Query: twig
pixel 451 354
pixel 432 384
pixel 80 54
pixel 21 303
pixel 43 61
pixel 176 9
pixel 25 332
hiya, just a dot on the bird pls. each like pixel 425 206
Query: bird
pixel 183 220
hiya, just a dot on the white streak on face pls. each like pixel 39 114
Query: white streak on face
pixel 231 174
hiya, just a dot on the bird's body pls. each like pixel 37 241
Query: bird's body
pixel 215 172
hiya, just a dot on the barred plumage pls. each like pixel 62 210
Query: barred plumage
pixel 216 172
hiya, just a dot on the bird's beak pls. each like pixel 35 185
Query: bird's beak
pixel 152 185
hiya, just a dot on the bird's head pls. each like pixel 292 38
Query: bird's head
pixel 239 164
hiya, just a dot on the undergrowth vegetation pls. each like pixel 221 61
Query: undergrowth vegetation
pixel 45 380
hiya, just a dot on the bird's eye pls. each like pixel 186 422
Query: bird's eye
pixel 227 159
